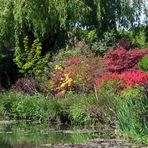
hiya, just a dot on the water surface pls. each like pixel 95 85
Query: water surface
pixel 29 135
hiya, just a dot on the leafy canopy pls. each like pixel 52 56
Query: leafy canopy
pixel 42 18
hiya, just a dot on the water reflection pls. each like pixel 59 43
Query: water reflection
pixel 26 135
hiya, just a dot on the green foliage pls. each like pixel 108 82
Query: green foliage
pixel 132 113
pixel 98 44
pixel 108 97
pixel 20 18
pixel 55 110
pixel 29 59
pixel 78 112
pixel 139 37
pixel 143 64
pixel 1 107
pixel 136 35
pixel 43 84
pixel 91 36
pixel 77 109
pixel 19 106
pixel 7 38
pixel 107 42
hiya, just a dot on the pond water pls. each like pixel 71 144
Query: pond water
pixel 28 135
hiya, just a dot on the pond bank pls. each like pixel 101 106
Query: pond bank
pixel 97 143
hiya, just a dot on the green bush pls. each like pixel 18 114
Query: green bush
pixel 42 84
pixel 29 58
pixel 93 108
pixel 107 42
pixel 136 35
pixel 139 37
pixel 19 106
pixel 99 45
pixel 143 64
pixel 132 114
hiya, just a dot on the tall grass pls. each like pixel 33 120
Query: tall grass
pixel 132 114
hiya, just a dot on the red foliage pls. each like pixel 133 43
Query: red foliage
pixel 121 60
pixel 105 77
pixel 131 78
pixel 128 78
pixel 72 61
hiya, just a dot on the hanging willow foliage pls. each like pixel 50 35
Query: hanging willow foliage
pixel 42 18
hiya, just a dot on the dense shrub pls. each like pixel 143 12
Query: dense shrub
pixel 110 83
pixel 55 111
pixel 127 78
pixel 131 78
pixel 42 84
pixel 25 85
pixel 137 36
pixel 143 64
pixel 120 60
pixel 145 85
pixel 81 49
pixel 77 74
pixel 107 42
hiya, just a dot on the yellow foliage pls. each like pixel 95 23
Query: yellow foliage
pixel 58 67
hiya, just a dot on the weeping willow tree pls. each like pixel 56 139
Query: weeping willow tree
pixel 46 19
pixel 42 19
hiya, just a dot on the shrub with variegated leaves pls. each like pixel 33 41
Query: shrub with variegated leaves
pixel 77 74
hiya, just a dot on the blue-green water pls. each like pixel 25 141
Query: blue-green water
pixel 28 135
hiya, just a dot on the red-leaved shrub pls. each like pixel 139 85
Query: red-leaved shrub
pixel 128 78
pixel 72 61
pixel 131 78
pixel 120 60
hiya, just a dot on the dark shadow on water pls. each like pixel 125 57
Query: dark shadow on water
pixel 4 144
